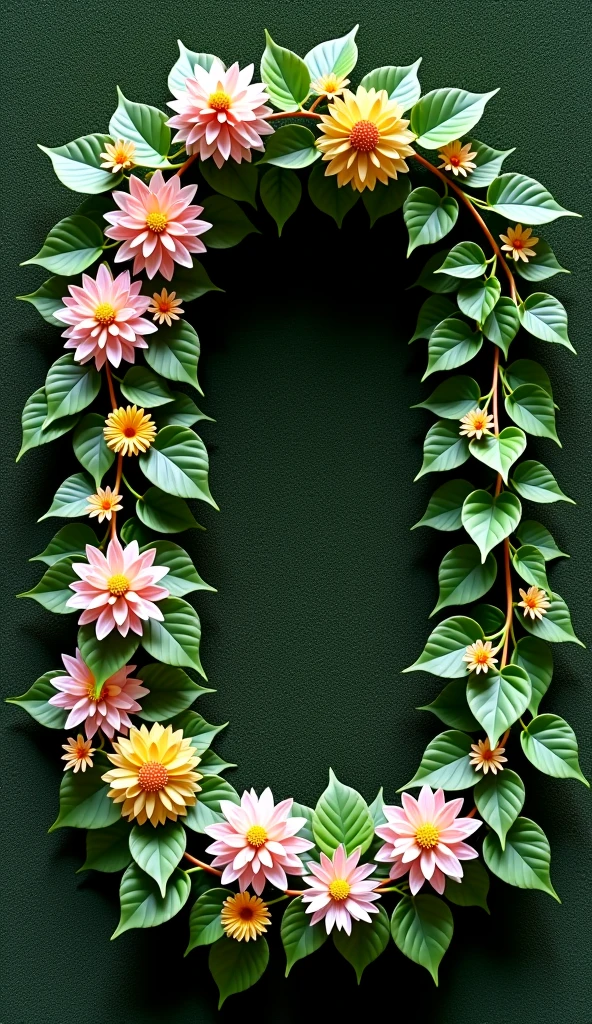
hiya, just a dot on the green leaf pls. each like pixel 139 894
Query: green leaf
pixel 33 421
pixel 555 626
pixel 146 127
pixel 105 657
pixel 206 811
pixel 428 216
pixel 385 199
pixel 545 317
pixel 211 764
pixel 453 398
pixel 445 114
pixel 201 733
pixel 446 647
pixel 205 926
pixel 165 514
pixel 526 859
pixel 182 577
pixel 328 197
pixel 534 481
pixel 181 412
pixel 171 691
pixel 299 937
pixel 184 67
pixel 48 297
pixel 524 200
pixel 536 658
pixel 158 851
pixel 336 56
pixel 177 462
pixel 366 942
pixel 291 147
pixel 401 83
pixel 489 163
pixel 306 832
pixel 550 744
pixel 342 816
pixel 36 702
pixel 422 928
pixel 174 353
pixel 133 529
pixel 445 763
pixel 143 906
pixel 71 497
pixel 531 532
pixel 90 447
pixel 237 181
pixel 145 388
pixel 472 889
pixel 490 618
pixel 78 164
pixel 541 266
pixel 236 966
pixel 107 849
pixel 464 260
pixel 502 324
pixel 285 74
pixel 53 589
pixel 443 449
pixel 433 312
pixel 498 699
pixel 488 519
pixel 70 247
pixel 444 511
pixel 83 799
pixel 230 223
pixel 281 193
pixel 526 371
pixel 529 563
pixel 500 451
pixel 175 641
pixel 478 299
pixel 452 343
pixel 189 282
pixel 70 388
pixel 499 799
pixel 439 283
pixel 451 707
pixel 95 208
pixel 463 577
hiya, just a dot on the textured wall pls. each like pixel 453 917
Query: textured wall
pixel 323 592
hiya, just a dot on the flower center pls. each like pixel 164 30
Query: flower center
pixel 152 777
pixel 479 422
pixel 106 504
pixel 220 100
pixel 339 889
pixel 118 584
pixel 482 657
pixel 517 243
pixel 156 221
pixel 105 313
pixel 245 914
pixel 129 431
pixel 427 836
pixel 455 160
pixel 364 136
pixel 486 755
pixel 256 836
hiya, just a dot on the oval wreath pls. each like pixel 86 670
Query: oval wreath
pixel 140 774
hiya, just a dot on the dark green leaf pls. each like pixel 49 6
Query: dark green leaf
pixel 422 928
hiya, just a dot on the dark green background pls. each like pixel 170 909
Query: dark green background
pixel 323 592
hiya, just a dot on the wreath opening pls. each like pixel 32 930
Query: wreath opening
pixel 141 776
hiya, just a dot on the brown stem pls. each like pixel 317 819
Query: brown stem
pixel 118 474
pixel 214 871
pixel 188 162
pixel 293 113
pixel 509 602
pixel 110 386
pixel 314 105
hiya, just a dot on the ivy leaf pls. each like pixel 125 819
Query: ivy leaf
pixel 171 691
pixel 292 147
pixel 462 576
pixel 230 223
pixel 164 513
pixel 536 658
pixel 71 497
pixel 527 371
pixel 146 127
pixel 237 181
pixel 336 56
pixel 36 702
pixel 299 937
pixel 70 388
pixel 47 298
pixel 281 193
pixel 499 799
pixel 236 966
pixel 545 317
pixel 464 260
pixel 453 398
pixel 175 641
pixel 489 519
pixel 523 200
pixel 33 419
pixel 444 511
pixel 90 447
pixel 133 529
pixel 478 299
pixel 472 890
pixel 366 942
pixel 184 67
pixel 53 589
pixel 489 163
pixel 499 451
pixel 451 707
pixel 182 577
pixel 158 851
pixel 490 618
pixel 385 199
pixel 445 649
pixel 328 197
pixel 181 412
pixel 550 744
pixel 498 699
pixel 401 83
pixel 78 164
pixel 534 481
pixel 555 626
pixel 143 906
pixel 201 733
pixel 105 657
pixel 433 281
pixel 70 247
pixel 145 388
pixel 526 858
pixel 445 114
pixel 107 849
pixel 445 763
pixel 422 928
pixel 285 74
pixel 542 265
pixel 531 532
pixel 206 811
pixel 342 816
pixel 452 343
pixel 443 449
pixel 428 216
pixel 533 410
pixel 433 311
pixel 529 563
pixel 211 764
pixel 177 462
pixel 502 324
pixel 83 799
pixel 174 352
pixel 205 926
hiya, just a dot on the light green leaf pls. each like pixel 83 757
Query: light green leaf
pixel 433 282
pixel 145 388
pixel 489 163
pixel 237 181
pixel 524 200
pixel 33 422
pixel 70 247
pixel 385 199
pixel 230 223
pixel 422 928
pixel 502 324
pixel 451 707
pixel 526 371
pixel 541 266
pixel 181 412
pixel 529 563
pixel 36 702
pixel 490 618
pixel 53 589
pixel 281 193
pixel 500 451
pixel 189 282
pixel 105 657
pixel 545 317
pixel 48 298
pixel 174 353
pixel 285 74
pixel 206 811
pixel 555 626
pixel 526 859
pixel 292 147
pixel 463 577
pixel 236 966
pixel 171 691
pixel 107 849
pixel 328 197
pixel 175 641
pixel 90 447
pixel 146 127
pixel 366 942
pixel 158 850
pixel 478 299
pixel 211 764
pixel 177 462
pixel 401 83
pixel 336 56
pixel 164 513
pixel 499 799
pixel 205 926
pixel 182 577
pixel 78 164
pixel 536 658
pixel 445 114
pixel 184 67
pixel 534 481
pixel 83 798
pixel 453 398
pixel 446 647
pixel 202 735
pixel 444 511
pixel 464 260
pixel 70 388
pixel 531 532
pixel 498 699
pixel 472 890
pixel 428 216
pixel 342 816
pixel 488 519
pixel 452 343
pixel 71 497
pixel 143 906
pixel 299 937
pixel 550 744
pixel 445 763
pixel 443 449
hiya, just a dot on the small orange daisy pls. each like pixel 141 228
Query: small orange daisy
pixel 476 423
pixel 519 243
pixel 486 759
pixel 457 158
pixel 534 602
pixel 78 753
pixel 165 307
pixel 479 657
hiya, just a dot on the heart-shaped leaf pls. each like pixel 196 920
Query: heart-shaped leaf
pixel 526 858
pixel 70 388
pixel 230 224
pixel 555 626
pixel 164 513
pixel 445 114
pixel 181 412
pixel 83 798
pixel 444 511
pixel 502 324
pixel 299 937
pixel 336 56
pixel 550 744
pixel 499 451
pixel 291 147
pixel 428 216
pixel 78 164
pixel 401 83
pixel 205 925
pixel 534 481
pixel 524 200
pixel 446 647
pixel 53 590
pixel 497 699
pixel 237 181
pixel 47 298
pixel 146 127
pixel 499 799
pixel 433 282
pixel 422 928
pixel 342 816
pixel 177 462
pixel 171 691
pixel 328 197
pixel 201 733
pixel 366 942
pixel 385 199
pixel 158 851
pixel 542 265
pixel 451 707
pixel 464 260
pixel 536 658
pixel 175 641
pixel 445 763
pixel 545 317
pixel 478 298
pixel 532 532
pixel 433 312
pixel 489 163
pixel 236 966
pixel 142 904
pixel 182 577
pixel 452 343
pixel 452 398
pixel 174 352
pixel 533 410
pixel 105 657
pixel 462 576
pixel 71 497
pixel 90 447
pixel 70 247
pixel 285 74
pixel 36 702
pixel 490 618
pixel 527 371
pixel 207 811
pixel 281 193
pixel 443 449
pixel 472 889
pixel 529 563
pixel 184 67
pixel 107 849
pixel 145 388
pixel 488 519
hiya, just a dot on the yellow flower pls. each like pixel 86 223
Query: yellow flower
pixel 457 158
pixel 129 430
pixel 535 602
pixel 153 776
pixel 480 657
pixel 103 504
pixel 329 85
pixel 78 753
pixel 165 307
pixel 244 917
pixel 519 242
pixel 487 759
pixel 118 156
pixel 476 423
pixel 364 139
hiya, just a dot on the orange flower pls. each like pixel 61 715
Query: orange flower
pixel 103 504
pixel 244 917
pixel 480 657
pixel 118 156
pixel 476 423
pixel 535 602
pixel 457 158
pixel 78 753
pixel 165 307
pixel 486 759
pixel 519 242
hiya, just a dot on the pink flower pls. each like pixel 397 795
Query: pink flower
pixel 118 590
pixel 108 712
pixel 340 890
pixel 157 225
pixel 105 318
pixel 426 838
pixel 220 114
pixel 258 842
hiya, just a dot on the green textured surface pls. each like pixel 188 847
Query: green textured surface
pixel 323 593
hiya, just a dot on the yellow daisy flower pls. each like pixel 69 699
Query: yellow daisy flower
pixel 329 85
pixel 519 243
pixel 364 139
pixel 153 776
pixel 244 917
pixel 479 657
pixel 457 158
pixel 486 759
pixel 476 423
pixel 129 431
pixel 79 753
pixel 103 504
pixel 535 602
pixel 165 307
pixel 118 156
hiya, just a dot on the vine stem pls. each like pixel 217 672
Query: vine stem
pixel 114 405
pixel 214 871
pixel 118 475
pixel 293 113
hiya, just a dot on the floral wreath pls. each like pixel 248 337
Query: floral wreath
pixel 141 777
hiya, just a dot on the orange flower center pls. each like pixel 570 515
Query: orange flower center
pixel 364 136
pixel 479 422
pixel 339 889
pixel 220 100
pixel 531 600
pixel 106 504
pixel 104 314
pixel 486 754
pixel 152 777
pixel 256 836
pixel 427 836
pixel 517 243
pixel 118 585
pixel 156 221
pixel 129 431
pixel 246 914
pixel 454 160
pixel 482 657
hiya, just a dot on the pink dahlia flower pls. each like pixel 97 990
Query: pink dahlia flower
pixel 105 318
pixel 426 838
pixel 340 890
pixel 118 590
pixel 220 114
pixel 258 842
pixel 108 712
pixel 157 225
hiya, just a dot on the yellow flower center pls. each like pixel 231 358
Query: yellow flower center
pixel 364 136
pixel 220 100
pixel 482 657
pixel 106 504
pixel 118 585
pixel 479 422
pixel 427 836
pixel 256 836
pixel 156 221
pixel 152 777
pixel 105 313
pixel 339 889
